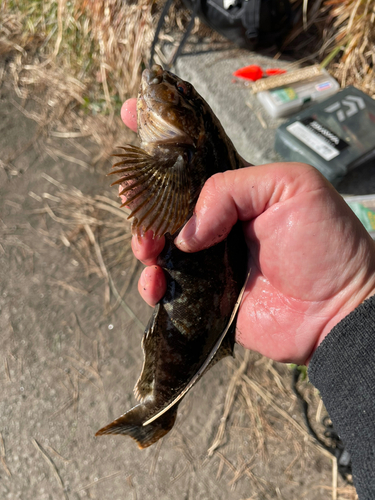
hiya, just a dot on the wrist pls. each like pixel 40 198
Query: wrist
pixel 353 299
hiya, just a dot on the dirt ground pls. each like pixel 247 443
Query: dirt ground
pixel 70 354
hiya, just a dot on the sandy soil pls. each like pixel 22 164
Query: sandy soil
pixel 69 361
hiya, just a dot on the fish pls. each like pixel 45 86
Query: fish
pixel 193 326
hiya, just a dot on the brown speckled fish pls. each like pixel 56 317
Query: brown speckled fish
pixel 192 327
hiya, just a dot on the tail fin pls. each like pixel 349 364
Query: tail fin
pixel 131 424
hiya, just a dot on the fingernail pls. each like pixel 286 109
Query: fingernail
pixel 187 233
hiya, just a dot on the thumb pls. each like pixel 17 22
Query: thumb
pixel 239 195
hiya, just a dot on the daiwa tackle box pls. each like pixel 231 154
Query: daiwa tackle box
pixel 335 136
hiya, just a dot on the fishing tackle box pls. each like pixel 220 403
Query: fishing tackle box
pixel 288 99
pixel 335 136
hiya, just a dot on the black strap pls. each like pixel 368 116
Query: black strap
pixel 185 37
pixel 159 26
pixel 166 8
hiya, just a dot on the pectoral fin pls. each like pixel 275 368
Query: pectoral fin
pixel 157 190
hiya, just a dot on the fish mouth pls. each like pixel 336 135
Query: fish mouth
pixel 159 107
pixel 152 76
pixel 155 129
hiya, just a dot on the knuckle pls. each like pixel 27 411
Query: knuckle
pixel 214 183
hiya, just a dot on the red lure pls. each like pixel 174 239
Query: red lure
pixel 255 72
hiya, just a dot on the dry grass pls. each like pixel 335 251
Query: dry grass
pixel 340 35
pixel 79 60
pixel 351 35
pixel 101 45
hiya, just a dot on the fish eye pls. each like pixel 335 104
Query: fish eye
pixel 183 88
pixel 190 154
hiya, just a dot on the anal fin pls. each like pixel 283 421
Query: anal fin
pixel 144 385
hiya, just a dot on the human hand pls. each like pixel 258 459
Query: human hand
pixel 311 260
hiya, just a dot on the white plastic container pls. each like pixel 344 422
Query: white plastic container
pixel 289 99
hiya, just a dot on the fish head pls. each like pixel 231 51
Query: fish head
pixel 169 111
pixel 181 144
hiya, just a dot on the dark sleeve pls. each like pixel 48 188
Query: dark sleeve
pixel 343 370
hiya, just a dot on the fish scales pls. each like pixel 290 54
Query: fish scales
pixel 182 145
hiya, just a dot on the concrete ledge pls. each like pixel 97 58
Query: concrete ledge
pixel 211 75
